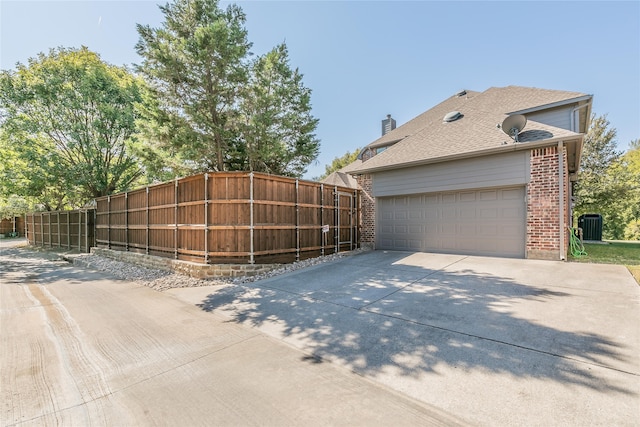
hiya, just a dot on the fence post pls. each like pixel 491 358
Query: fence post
pixel 59 233
pixel 336 209
pixel 206 218
pixel 297 223
pixel 351 222
pixel 147 228
pixel 80 232
pixel 86 229
pixel 323 235
pixel 68 230
pixel 49 216
pixel 356 223
pixel 251 249
pixel 126 221
pixel 175 217
pixel 108 222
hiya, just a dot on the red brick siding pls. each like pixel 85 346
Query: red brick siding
pixel 368 211
pixel 543 208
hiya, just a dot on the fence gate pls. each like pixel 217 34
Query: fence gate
pixel 346 225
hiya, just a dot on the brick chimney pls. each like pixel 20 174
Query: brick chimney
pixel 388 125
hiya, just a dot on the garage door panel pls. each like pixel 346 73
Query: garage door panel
pixel 415 229
pixel 387 215
pixel 467 212
pixel 415 214
pixel 430 199
pixel 487 230
pixel 449 229
pixel 512 194
pixel 448 212
pixel 488 213
pixel 465 245
pixel 509 230
pixel 415 245
pixel 466 230
pixel 484 222
pixel 431 213
pixel 512 213
pixel 468 197
pixel 400 229
pixel 385 243
pixel 400 215
pixel 488 195
pixel 448 197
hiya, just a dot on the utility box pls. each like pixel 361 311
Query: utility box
pixel 591 225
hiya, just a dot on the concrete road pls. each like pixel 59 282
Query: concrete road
pixel 79 348
pixel 498 342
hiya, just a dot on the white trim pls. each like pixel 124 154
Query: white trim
pixel 553 105
pixel 561 197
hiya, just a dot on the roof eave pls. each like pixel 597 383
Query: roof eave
pixel 496 150
pixel 553 105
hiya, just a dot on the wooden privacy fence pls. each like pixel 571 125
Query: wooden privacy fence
pixel 62 229
pixel 231 217
pixel 11 226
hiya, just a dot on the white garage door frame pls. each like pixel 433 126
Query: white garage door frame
pixel 486 221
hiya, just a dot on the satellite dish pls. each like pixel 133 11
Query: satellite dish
pixel 513 124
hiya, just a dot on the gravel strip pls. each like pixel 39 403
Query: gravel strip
pixel 163 280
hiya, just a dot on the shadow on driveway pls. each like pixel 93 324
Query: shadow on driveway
pixel 387 312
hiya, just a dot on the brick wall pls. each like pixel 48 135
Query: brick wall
pixel 367 211
pixel 543 208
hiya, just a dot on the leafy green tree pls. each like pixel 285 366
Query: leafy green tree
pixel 29 170
pixel 69 118
pixel 604 181
pixel 338 163
pixel 629 169
pixel 276 132
pixel 214 109
pixel 196 65
pixel 13 206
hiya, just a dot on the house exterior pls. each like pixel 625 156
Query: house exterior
pixel 451 180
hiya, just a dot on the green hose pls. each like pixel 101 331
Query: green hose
pixel 576 246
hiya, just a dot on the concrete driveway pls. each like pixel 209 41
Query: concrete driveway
pixel 493 341
pixel 80 348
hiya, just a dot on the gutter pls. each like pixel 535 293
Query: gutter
pixel 497 150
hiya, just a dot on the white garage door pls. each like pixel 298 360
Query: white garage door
pixel 478 222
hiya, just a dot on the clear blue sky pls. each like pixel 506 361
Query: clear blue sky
pixel 366 59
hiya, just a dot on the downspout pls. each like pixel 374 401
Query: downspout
pixel 561 197
pixel 573 128
pixel 573 116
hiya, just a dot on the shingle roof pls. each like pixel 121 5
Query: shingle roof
pixel 342 177
pixel 427 138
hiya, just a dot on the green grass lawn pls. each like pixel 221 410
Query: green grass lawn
pixel 625 253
